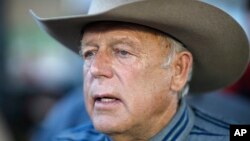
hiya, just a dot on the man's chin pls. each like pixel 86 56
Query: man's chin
pixel 108 126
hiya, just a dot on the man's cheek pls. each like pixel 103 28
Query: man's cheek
pixel 88 104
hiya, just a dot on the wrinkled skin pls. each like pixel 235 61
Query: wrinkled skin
pixel 128 94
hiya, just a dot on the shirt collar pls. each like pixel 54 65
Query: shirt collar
pixel 179 127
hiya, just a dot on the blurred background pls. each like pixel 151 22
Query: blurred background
pixel 36 72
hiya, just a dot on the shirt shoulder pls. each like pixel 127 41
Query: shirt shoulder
pixel 207 125
pixel 82 133
pixel 207 128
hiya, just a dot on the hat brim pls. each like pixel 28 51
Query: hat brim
pixel 218 43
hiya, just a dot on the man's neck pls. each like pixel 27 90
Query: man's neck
pixel 157 124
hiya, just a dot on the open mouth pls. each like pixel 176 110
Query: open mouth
pixel 105 99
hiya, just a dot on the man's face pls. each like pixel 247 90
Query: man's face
pixel 126 88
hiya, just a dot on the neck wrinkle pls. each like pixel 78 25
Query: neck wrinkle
pixel 163 121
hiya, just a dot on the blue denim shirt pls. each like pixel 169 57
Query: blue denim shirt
pixel 215 112
pixel 187 125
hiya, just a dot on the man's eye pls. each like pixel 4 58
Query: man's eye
pixel 122 53
pixel 88 54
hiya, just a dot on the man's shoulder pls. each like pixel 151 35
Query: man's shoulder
pixel 208 128
pixel 208 137
pixel 213 114
pixel 82 133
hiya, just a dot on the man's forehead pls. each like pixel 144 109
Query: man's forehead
pixel 123 30
pixel 134 35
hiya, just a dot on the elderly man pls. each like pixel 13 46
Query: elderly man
pixel 139 58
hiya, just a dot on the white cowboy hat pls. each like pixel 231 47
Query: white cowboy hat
pixel 218 43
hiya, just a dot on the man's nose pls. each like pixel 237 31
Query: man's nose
pixel 101 66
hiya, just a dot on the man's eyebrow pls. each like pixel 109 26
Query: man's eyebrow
pixel 123 40
pixel 83 45
pixel 114 40
pixel 88 43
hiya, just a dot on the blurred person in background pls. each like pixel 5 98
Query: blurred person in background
pixel 36 73
pixel 88 133
pixel 66 113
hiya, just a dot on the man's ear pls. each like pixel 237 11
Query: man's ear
pixel 181 67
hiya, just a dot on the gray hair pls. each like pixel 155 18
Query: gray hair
pixel 176 47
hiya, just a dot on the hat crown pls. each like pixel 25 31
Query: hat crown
pixel 98 6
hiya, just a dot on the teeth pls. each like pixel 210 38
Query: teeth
pixel 107 99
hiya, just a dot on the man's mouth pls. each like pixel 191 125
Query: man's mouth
pixel 106 101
